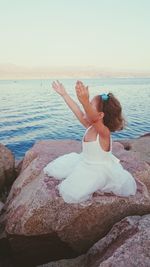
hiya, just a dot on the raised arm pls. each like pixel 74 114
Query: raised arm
pixel 60 89
pixel 92 114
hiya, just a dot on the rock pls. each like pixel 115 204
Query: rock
pixel 7 162
pixel 18 166
pixel 126 244
pixel 76 262
pixel 140 145
pixel 37 218
pixel 138 168
pixel 1 206
pixel 147 134
pixel 138 148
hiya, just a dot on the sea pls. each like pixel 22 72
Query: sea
pixel 30 110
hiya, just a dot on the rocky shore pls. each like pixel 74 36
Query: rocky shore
pixel 37 228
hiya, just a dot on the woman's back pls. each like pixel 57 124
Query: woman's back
pixel 93 151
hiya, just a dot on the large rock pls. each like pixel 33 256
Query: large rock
pixel 37 218
pixel 127 244
pixel 141 145
pixel 1 206
pixel 18 166
pixel 7 166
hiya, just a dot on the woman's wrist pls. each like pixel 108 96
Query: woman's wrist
pixel 92 114
pixel 85 104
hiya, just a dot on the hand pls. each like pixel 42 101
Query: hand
pixel 59 88
pixel 82 92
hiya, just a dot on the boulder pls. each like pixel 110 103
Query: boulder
pixel 18 166
pixel 136 148
pixel 37 218
pixel 126 244
pixel 7 167
pixel 1 205
pixel 141 145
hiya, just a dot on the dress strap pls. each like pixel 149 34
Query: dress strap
pixel 87 129
pixel 110 143
pixel 97 138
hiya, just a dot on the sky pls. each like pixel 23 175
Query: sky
pixel 109 35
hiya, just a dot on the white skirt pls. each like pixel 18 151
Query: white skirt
pixel 81 179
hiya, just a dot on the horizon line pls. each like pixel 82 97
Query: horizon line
pixel 9 71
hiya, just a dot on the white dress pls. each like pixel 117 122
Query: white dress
pixel 91 170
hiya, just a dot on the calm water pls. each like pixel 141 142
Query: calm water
pixel 31 110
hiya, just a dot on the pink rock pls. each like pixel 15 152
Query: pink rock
pixel 1 206
pixel 7 166
pixel 34 209
pixel 126 244
pixel 18 166
pixel 139 145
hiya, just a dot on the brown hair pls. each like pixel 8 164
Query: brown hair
pixel 112 109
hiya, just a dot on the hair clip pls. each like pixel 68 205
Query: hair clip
pixel 104 97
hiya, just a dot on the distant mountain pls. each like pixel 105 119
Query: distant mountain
pixel 12 71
